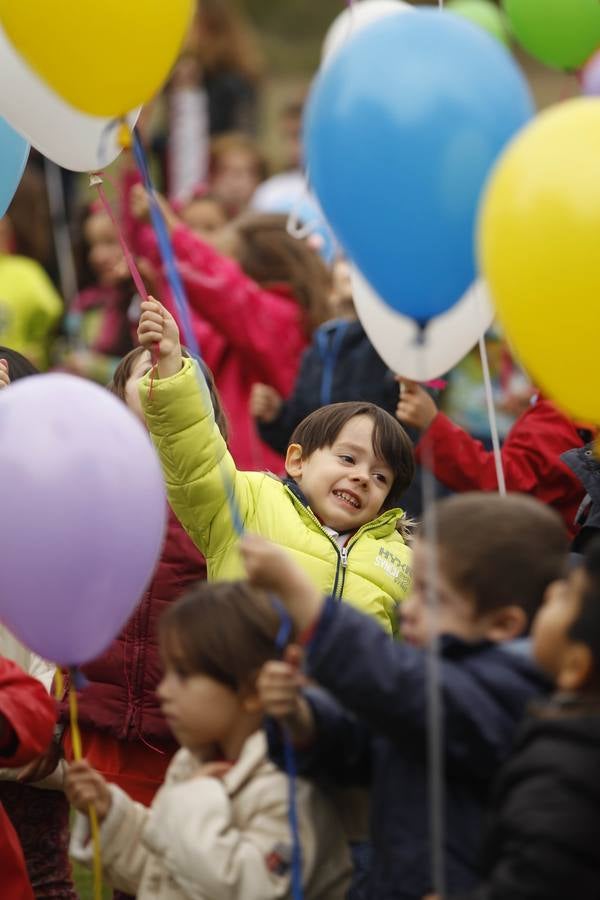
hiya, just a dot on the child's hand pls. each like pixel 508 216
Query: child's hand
pixel 42 766
pixel 4 377
pixel 415 407
pixel 85 787
pixel 272 569
pixel 265 403
pixel 139 204
pixel 158 327
pixel 279 684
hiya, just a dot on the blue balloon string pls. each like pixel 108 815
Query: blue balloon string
pixel 181 301
pixel 283 636
pixel 166 250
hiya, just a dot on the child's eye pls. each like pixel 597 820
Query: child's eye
pixel 381 478
pixel 348 459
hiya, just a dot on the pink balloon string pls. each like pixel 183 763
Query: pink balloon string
pixel 96 181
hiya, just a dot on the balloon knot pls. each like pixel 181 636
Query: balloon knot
pixel 95 179
pixel 124 136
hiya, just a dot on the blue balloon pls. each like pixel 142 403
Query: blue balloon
pixel 401 131
pixel 14 151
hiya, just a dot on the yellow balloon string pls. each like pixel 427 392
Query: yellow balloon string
pixel 59 684
pixel 92 814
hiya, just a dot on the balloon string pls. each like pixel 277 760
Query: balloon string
pixel 92 814
pixel 435 735
pixel 491 411
pixel 96 181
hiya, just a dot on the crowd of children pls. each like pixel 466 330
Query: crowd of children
pixel 292 619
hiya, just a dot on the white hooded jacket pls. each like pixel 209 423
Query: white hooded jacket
pixel 220 839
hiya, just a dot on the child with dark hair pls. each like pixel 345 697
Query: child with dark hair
pixel 218 828
pixel 495 557
pixel 542 843
pixel 348 465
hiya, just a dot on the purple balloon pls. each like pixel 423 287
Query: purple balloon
pixel 83 510
pixel 590 77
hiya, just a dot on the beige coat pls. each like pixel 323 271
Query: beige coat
pixel 229 839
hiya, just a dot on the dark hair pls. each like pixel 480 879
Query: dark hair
pixel 269 255
pixel 586 627
pixel 123 372
pixel 226 630
pixel 501 551
pixel 18 365
pixel 390 441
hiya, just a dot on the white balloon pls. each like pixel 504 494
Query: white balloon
pixel 70 138
pixel 354 19
pixel 448 337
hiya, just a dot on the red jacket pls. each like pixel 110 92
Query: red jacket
pixel 247 334
pixel 120 698
pixel 30 714
pixel 530 457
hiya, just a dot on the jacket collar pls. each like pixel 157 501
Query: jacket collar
pixel 385 522
pixel 253 756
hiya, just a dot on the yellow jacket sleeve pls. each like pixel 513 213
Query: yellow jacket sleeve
pixel 203 484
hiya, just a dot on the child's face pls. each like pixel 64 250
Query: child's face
pixel 455 614
pixel 105 255
pixel 345 484
pixel 141 367
pixel 550 630
pixel 204 217
pixel 235 180
pixel 200 711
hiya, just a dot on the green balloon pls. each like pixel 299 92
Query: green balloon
pixel 485 14
pixel 561 33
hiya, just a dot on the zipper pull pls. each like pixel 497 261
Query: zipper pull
pixel 344 556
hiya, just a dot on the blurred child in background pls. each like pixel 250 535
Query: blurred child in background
pixel 493 560
pixel 542 840
pixel 219 826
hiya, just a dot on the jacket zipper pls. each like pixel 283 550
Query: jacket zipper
pixel 344 551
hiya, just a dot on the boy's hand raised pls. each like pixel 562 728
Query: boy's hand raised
pixel 269 567
pixel 158 328
pixel 265 403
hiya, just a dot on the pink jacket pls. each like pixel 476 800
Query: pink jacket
pixel 246 334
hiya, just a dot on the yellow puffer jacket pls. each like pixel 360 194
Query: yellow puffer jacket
pixel 372 572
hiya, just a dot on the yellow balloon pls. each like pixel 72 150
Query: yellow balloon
pixel 104 58
pixel 539 249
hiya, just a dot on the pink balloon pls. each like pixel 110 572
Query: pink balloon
pixel 590 77
pixel 83 515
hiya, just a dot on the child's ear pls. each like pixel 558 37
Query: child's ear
pixel 506 624
pixel 576 668
pixel 293 461
pixel 251 701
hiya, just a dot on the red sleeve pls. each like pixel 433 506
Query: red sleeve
pixel 530 455
pixel 264 327
pixel 29 711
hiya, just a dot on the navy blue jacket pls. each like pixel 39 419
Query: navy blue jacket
pixel 542 840
pixel 378 738
pixel 340 364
